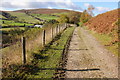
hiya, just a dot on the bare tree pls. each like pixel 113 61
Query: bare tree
pixel 90 9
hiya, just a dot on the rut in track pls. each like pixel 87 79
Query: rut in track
pixel 87 58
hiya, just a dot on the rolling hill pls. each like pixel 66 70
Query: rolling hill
pixel 10 19
pixel 44 11
pixel 34 16
pixel 24 17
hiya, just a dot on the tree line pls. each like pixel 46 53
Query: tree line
pixel 77 17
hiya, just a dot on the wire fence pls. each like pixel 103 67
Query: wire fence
pixel 20 52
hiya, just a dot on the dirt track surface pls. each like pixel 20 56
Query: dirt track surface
pixel 87 58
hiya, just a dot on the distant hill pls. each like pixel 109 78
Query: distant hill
pixel 34 16
pixel 45 11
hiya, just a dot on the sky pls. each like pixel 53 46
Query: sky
pixel 77 5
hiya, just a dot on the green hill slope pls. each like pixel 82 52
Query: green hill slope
pixel 24 17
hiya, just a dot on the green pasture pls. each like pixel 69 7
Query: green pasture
pixel 13 23
pixel 45 16
pixel 24 17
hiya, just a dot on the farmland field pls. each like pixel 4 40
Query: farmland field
pixel 45 16
pixel 58 14
pixel 24 17
pixel 13 23
pixel 8 29
pixel 2 17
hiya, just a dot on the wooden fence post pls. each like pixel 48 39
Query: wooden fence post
pixel 23 50
pixel 56 29
pixel 52 32
pixel 65 25
pixel 59 28
pixel 43 38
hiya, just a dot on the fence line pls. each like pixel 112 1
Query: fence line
pixel 52 32
pixel 25 46
pixel 23 50
pixel 43 40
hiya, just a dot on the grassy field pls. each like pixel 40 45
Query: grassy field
pixel 45 16
pixel 13 23
pixel 8 29
pixel 2 17
pixel 24 17
pixel 49 16
pixel 11 35
pixel 58 14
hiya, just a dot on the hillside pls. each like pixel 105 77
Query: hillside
pixel 2 17
pixel 44 11
pixel 34 16
pixel 46 17
pixel 104 23
pixel 24 17
pixel 10 19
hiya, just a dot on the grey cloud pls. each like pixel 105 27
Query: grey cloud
pixel 7 5
pixel 42 5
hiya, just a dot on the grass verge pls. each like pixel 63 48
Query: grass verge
pixel 46 61
pixel 106 40
pixel 49 58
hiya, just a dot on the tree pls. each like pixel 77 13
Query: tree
pixel 63 19
pixel 16 20
pixel 3 22
pixel 74 17
pixel 85 16
pixel 53 21
pixel 8 15
pixel 90 10
pixel 23 20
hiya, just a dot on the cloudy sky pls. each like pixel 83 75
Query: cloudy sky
pixel 77 5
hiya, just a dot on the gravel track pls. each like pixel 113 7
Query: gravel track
pixel 87 58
